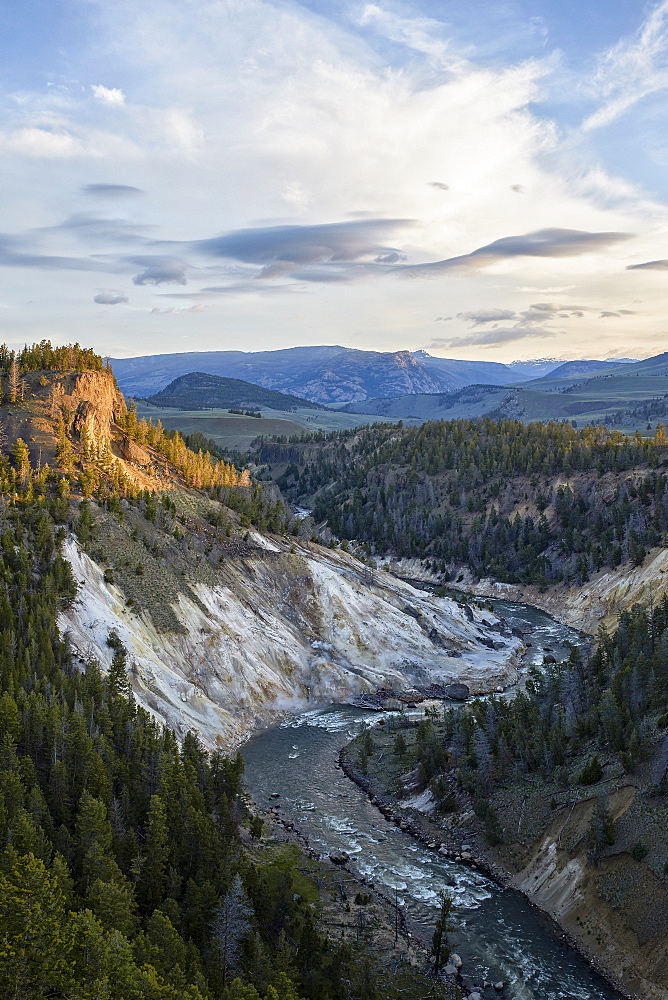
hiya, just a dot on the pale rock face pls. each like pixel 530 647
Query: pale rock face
pixel 284 632
pixel 600 601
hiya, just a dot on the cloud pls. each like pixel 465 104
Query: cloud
pixel 109 297
pixel 549 307
pixel 160 271
pixel 650 265
pixel 111 190
pixel 393 257
pixel 486 316
pixel 49 143
pixel 172 310
pixel 88 226
pixel 108 95
pixel 421 34
pixel 50 136
pixel 281 249
pixel 13 254
pixel 632 69
pixel 543 243
pixel 490 338
pixel 343 251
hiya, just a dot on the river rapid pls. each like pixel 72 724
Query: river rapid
pixel 499 935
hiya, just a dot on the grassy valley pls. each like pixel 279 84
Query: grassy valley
pixel 237 432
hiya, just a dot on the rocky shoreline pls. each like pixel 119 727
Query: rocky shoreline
pixel 433 839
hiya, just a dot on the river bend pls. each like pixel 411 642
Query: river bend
pixel 499 935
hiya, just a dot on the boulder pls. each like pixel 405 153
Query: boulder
pixel 339 857
pixel 131 451
pixel 456 960
pixel 457 692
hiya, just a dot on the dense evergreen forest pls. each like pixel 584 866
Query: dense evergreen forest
pixel 121 870
pixel 537 503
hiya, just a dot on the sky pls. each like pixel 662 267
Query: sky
pixel 481 180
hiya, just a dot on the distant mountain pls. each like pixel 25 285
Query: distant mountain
pixel 633 387
pixel 322 374
pixel 200 391
pixel 535 368
pixel 571 368
pixel 459 374
pixel 328 374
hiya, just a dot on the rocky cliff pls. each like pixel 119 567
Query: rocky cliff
pixel 89 404
pixel 285 626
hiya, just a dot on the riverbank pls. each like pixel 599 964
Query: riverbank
pixel 357 913
pixel 603 912
pixel 585 607
pixel 473 855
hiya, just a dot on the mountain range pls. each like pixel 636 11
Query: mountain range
pixel 327 374
pixel 626 395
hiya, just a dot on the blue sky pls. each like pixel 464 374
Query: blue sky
pixel 482 179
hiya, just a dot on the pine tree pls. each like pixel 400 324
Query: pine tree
pixel 439 945
pixel 231 923
pixel 14 380
pixel 156 854
pixel 21 458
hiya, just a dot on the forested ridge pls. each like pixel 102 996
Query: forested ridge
pixel 121 870
pixel 87 464
pixel 579 728
pixel 536 503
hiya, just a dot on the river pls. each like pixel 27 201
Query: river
pixel 499 936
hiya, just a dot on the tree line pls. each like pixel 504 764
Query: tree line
pixel 537 503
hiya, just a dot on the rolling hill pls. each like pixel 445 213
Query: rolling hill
pixel 201 391
pixel 571 369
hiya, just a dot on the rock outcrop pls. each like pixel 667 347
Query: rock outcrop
pixel 288 627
